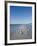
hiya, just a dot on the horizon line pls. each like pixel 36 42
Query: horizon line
pixel 29 23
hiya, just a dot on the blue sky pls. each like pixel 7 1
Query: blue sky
pixel 20 15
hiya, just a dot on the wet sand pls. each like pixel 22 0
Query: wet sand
pixel 18 35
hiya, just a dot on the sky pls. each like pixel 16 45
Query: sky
pixel 20 15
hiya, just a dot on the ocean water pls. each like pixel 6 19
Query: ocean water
pixel 14 27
